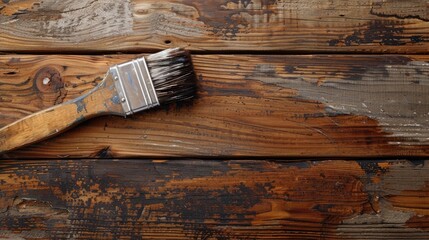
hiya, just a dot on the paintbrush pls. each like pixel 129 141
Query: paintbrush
pixel 127 88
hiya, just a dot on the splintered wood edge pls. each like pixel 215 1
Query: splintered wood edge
pixel 318 105
pixel 336 199
pixel 258 25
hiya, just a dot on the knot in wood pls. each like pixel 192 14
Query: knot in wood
pixel 49 85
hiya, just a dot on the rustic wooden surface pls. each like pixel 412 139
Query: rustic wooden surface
pixel 380 26
pixel 205 199
pixel 274 106
pixel 249 158
pixel 101 100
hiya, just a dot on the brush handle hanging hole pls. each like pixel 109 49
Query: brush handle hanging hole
pixel 167 41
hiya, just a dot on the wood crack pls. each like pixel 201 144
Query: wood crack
pixel 384 15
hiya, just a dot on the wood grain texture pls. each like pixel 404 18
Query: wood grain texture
pixel 100 101
pixel 390 26
pixel 246 106
pixel 204 199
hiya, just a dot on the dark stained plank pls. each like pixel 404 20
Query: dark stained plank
pixel 205 199
pixel 377 26
pixel 274 106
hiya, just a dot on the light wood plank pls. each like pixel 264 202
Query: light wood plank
pixel 215 25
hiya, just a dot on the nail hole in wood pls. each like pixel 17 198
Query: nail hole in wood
pixel 46 81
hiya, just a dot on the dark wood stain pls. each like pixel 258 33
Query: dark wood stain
pixel 383 32
pixel 193 198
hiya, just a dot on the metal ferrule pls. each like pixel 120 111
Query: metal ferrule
pixel 134 85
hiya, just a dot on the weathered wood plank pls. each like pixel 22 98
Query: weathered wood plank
pixel 204 199
pixel 246 106
pixel 391 26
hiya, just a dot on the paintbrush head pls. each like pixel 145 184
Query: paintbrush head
pixel 172 75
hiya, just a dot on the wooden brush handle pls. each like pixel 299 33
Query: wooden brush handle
pixel 102 100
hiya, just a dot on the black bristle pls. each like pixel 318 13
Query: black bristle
pixel 172 75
